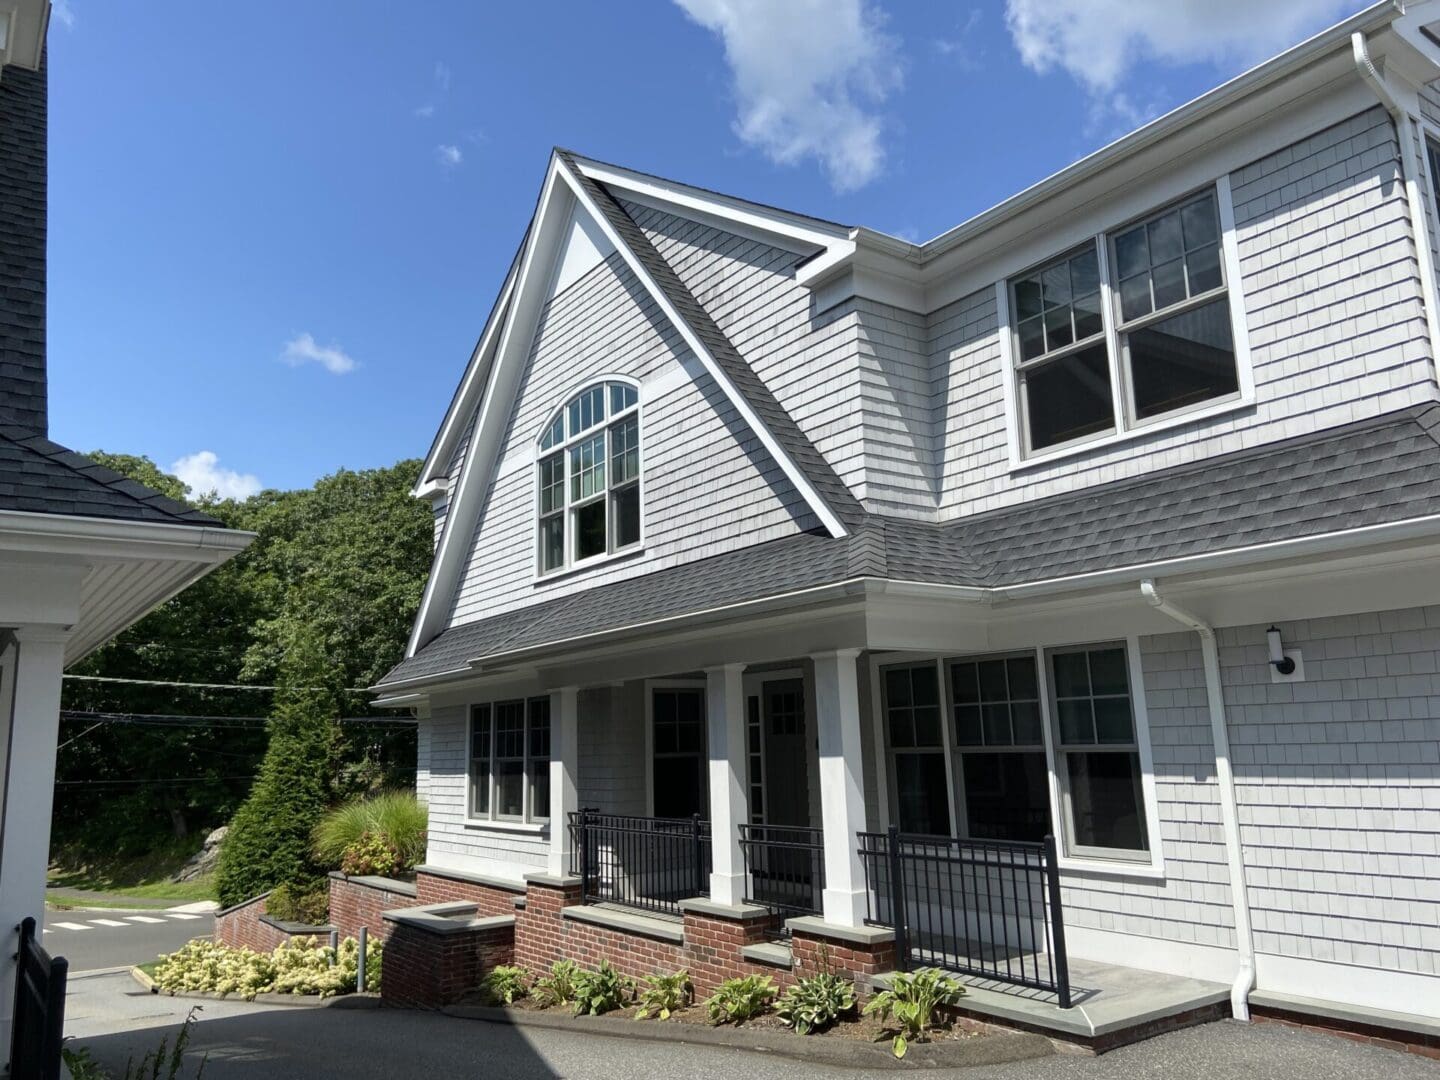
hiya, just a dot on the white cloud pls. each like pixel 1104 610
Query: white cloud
pixel 424 112
pixel 303 349
pixel 1097 42
pixel 64 13
pixel 202 474
pixel 449 155
pixel 809 78
pixel 442 76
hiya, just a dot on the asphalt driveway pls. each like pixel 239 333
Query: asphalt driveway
pixel 249 1042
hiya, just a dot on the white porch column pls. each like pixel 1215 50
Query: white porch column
pixel 564 767
pixel 842 791
pixel 32 722
pixel 729 807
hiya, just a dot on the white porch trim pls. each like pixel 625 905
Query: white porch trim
pixel 842 790
pixel 729 802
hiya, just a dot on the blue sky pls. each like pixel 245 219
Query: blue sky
pixel 276 231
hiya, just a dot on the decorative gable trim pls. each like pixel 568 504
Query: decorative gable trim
pixel 499 360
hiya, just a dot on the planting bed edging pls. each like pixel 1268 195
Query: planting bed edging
pixel 984 1050
pixel 301 1001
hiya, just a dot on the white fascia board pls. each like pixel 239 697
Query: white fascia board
pixel 23 26
pixel 472 383
pixel 794 231
pixel 497 398
pixel 106 538
pixel 792 470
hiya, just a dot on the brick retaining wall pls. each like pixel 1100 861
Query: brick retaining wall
pixel 427 967
pixel 247 925
pixel 361 901
pixel 435 885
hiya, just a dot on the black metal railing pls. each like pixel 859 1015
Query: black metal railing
pixel 39 1009
pixel 641 862
pixel 985 908
pixel 784 868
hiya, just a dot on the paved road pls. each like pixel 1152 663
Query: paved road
pixel 92 940
pixel 251 1042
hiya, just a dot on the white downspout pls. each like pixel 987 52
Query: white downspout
pixel 1413 168
pixel 1229 807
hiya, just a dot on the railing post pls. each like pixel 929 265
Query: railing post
pixel 582 838
pixel 17 1028
pixel 1057 922
pixel 897 900
pixel 363 943
pixel 698 855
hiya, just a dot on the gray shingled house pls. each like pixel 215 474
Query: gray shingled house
pixel 84 552
pixel 1084 559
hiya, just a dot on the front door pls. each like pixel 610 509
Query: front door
pixel 787 780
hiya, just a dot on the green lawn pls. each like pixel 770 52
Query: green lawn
pixel 144 878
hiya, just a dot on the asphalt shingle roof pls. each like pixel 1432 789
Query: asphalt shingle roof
pixel 1375 472
pixel 22 248
pixel 43 477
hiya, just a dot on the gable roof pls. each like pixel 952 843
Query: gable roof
pixel 43 477
pixel 488 388
pixel 1384 471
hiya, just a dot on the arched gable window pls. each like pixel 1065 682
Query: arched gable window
pixel 589 477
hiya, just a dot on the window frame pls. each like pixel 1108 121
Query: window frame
pixel 532 818
pixel 1152 866
pixel 651 685
pixel 1125 427
pixel 564 449
pixel 946 750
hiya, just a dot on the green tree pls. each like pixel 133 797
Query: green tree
pixel 269 839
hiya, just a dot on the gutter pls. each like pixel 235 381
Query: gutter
pixel 1244 981
pixel 1412 168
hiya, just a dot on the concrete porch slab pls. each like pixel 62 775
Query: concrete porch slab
pixel 1112 1005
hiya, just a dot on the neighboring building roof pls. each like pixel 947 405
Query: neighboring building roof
pixel 1374 472
pixel 42 477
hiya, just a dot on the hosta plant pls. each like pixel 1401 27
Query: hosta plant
pixel 558 987
pixel 663 994
pixel 601 990
pixel 738 1000
pixel 504 984
pixel 816 1002
pixel 911 1001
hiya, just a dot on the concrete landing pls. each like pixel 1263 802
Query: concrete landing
pixel 1111 1005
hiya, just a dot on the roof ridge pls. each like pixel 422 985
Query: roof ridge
pixel 811 462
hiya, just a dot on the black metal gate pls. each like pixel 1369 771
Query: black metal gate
pixel 39 1009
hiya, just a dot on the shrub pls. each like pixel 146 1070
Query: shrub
pixel 602 990
pixel 912 999
pixel 306 902
pixel 296 967
pixel 397 819
pixel 816 1002
pixel 269 839
pixel 504 985
pixel 738 1000
pixel 369 855
pixel 663 994
pixel 558 987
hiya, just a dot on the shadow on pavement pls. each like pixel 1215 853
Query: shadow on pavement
pixel 339 1043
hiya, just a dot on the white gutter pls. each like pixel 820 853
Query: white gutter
pixel 1229 806
pixel 1413 169
pixel 56 532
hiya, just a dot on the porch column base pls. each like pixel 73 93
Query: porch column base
pixel 844 907
pixel 727 889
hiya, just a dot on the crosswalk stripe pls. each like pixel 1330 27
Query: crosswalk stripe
pixel 179 915
pixel 70 926
pixel 142 918
pixel 106 922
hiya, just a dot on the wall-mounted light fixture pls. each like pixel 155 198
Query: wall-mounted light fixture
pixel 1283 664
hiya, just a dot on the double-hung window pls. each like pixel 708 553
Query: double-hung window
pixel 917 748
pixel 588 478
pixel 1000 748
pixel 510 760
pixel 1097 755
pixel 1152 295
pixel 678 743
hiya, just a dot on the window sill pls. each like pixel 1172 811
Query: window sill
pixel 1077 449
pixel 589 564
pixel 1116 868
pixel 533 827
